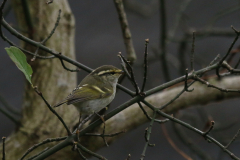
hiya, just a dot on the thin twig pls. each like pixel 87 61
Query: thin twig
pixel 131 55
pixel 49 36
pixel 39 144
pixel 181 54
pixel 132 74
pixel 177 96
pixel 214 60
pixel 71 70
pixel 229 50
pixel 147 136
pixel 123 64
pixel 233 139
pixel 53 111
pixel 237 63
pixel 35 54
pixel 179 130
pixel 104 135
pixel 38 154
pixel 209 130
pixel 90 152
pixel 163 38
pixel 48 50
pixel 229 68
pixel 81 155
pixel 209 138
pixel 3 148
pixel 81 124
pixel 178 18
pixel 145 64
pixel 54 28
pixel 150 118
pixel 222 13
pixel 186 85
pixel 11 43
pixel 192 52
pixel 213 86
pixel 28 18
pixel 104 127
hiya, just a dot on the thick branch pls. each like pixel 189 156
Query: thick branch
pixel 133 116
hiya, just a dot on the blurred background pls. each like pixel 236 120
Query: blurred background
pixel 98 41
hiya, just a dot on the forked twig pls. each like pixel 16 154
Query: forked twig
pixel 53 111
pixel 228 52
pixel 90 152
pixel 49 36
pixel 39 144
pixel 148 132
pixel 129 67
pixel 71 70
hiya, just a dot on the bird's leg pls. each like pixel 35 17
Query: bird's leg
pixel 82 123
pixel 103 120
pixel 78 129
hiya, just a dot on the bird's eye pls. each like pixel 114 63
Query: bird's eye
pixel 112 73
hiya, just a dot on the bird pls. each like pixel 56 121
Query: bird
pixel 95 91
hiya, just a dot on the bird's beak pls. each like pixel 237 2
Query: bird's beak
pixel 120 72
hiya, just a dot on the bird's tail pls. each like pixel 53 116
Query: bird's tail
pixel 59 104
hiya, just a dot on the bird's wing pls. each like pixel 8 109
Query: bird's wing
pixel 85 93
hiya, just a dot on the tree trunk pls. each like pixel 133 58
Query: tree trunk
pixel 38 123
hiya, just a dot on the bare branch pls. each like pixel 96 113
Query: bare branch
pixel 53 111
pixel 54 28
pixel 131 72
pixel 42 143
pixel 70 70
pixel 229 50
pixel 150 118
pixel 186 85
pixel 233 139
pixel 147 136
pixel 207 137
pixel 209 130
pixel 131 55
pixel 213 86
pixel 145 64
pixel 81 155
pixel 90 152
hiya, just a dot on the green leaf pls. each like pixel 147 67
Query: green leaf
pixel 19 58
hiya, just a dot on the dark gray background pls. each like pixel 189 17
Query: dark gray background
pixel 99 39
